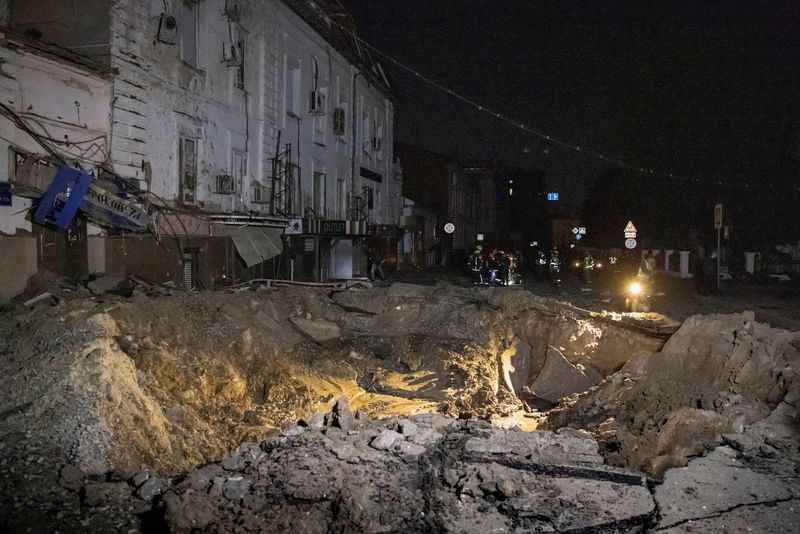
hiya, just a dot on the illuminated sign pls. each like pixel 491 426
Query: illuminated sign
pixel 552 196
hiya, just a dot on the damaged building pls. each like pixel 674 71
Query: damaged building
pixel 224 140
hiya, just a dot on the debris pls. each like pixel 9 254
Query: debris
pixel 322 331
pixel 386 440
pixel 40 298
pixel 559 378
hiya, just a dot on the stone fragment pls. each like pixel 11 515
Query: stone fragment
pixel 323 332
pixel 401 289
pixel 408 428
pixel 70 477
pixel 386 440
pixel 139 478
pixel 514 363
pixel 341 416
pixel 293 431
pixel 559 378
pixel 105 283
pixel 720 482
pixel 151 488
pixel 369 301
pixel 235 488
pixel 315 421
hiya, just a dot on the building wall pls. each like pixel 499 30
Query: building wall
pixel 63 101
pixel 17 264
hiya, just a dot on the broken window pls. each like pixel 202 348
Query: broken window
pixel 238 169
pixel 187 158
pixel 341 199
pixel 187 26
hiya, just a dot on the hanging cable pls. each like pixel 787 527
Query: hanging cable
pixel 529 129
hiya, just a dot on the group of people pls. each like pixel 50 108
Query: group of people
pixel 497 268
pixel 548 266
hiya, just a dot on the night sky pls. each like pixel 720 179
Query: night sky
pixel 708 90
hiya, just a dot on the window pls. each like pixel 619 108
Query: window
pixel 292 87
pixel 187 158
pixel 319 194
pixel 377 144
pixel 238 71
pixel 366 139
pixel 341 207
pixel 187 26
pixel 238 169
pixel 321 116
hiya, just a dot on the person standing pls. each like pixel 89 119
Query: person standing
pixel 476 265
pixel 588 267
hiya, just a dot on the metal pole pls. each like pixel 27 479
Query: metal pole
pixel 718 232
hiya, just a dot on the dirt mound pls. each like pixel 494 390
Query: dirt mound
pixel 718 375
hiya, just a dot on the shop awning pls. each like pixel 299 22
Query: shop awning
pixel 257 244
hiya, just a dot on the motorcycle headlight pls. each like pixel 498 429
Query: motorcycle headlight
pixel 635 288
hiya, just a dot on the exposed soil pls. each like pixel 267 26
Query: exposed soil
pixel 108 405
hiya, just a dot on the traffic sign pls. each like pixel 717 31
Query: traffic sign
pixel 630 227
pixel 552 196
pixel 449 228
pixel 630 235
pixel 582 230
pixel 717 216
pixel 578 236
pixel 630 243
pixel 575 230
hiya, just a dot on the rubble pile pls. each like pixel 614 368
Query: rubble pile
pixel 719 379
pixel 120 404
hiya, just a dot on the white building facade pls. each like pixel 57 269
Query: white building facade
pixel 231 113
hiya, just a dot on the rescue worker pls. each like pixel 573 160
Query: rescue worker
pixel 588 267
pixel 493 266
pixel 541 265
pixel 554 267
pixel 476 265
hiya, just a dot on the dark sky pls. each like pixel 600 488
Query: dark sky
pixel 706 89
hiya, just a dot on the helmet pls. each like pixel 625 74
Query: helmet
pixel 479 248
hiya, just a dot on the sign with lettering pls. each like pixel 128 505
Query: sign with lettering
pixel 5 194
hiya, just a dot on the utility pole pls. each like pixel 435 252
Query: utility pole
pixel 718 227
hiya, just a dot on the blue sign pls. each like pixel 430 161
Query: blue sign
pixel 578 236
pixel 630 243
pixel 5 194
pixel 552 196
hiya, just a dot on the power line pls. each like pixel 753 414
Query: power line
pixel 529 129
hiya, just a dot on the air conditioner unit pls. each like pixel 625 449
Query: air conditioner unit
pixel 260 194
pixel 224 184
pixel 231 54
pixel 376 143
pixel 338 121
pixel 316 103
pixel 168 29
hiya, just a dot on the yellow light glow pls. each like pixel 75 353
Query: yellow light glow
pixel 635 288
pixel 511 191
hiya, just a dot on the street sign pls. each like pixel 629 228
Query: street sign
pixel 449 228
pixel 479 237
pixel 630 235
pixel 582 230
pixel 578 236
pixel 717 216
pixel 630 227
pixel 575 230
pixel 552 196
pixel 630 243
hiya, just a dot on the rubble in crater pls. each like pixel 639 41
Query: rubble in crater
pixel 126 410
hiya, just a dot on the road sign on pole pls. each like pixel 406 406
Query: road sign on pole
pixel 630 227
pixel 449 228
pixel 630 243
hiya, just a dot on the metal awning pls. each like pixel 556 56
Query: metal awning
pixel 257 244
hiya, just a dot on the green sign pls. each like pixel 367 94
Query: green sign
pixel 325 227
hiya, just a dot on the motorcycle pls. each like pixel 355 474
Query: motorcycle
pixel 637 296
